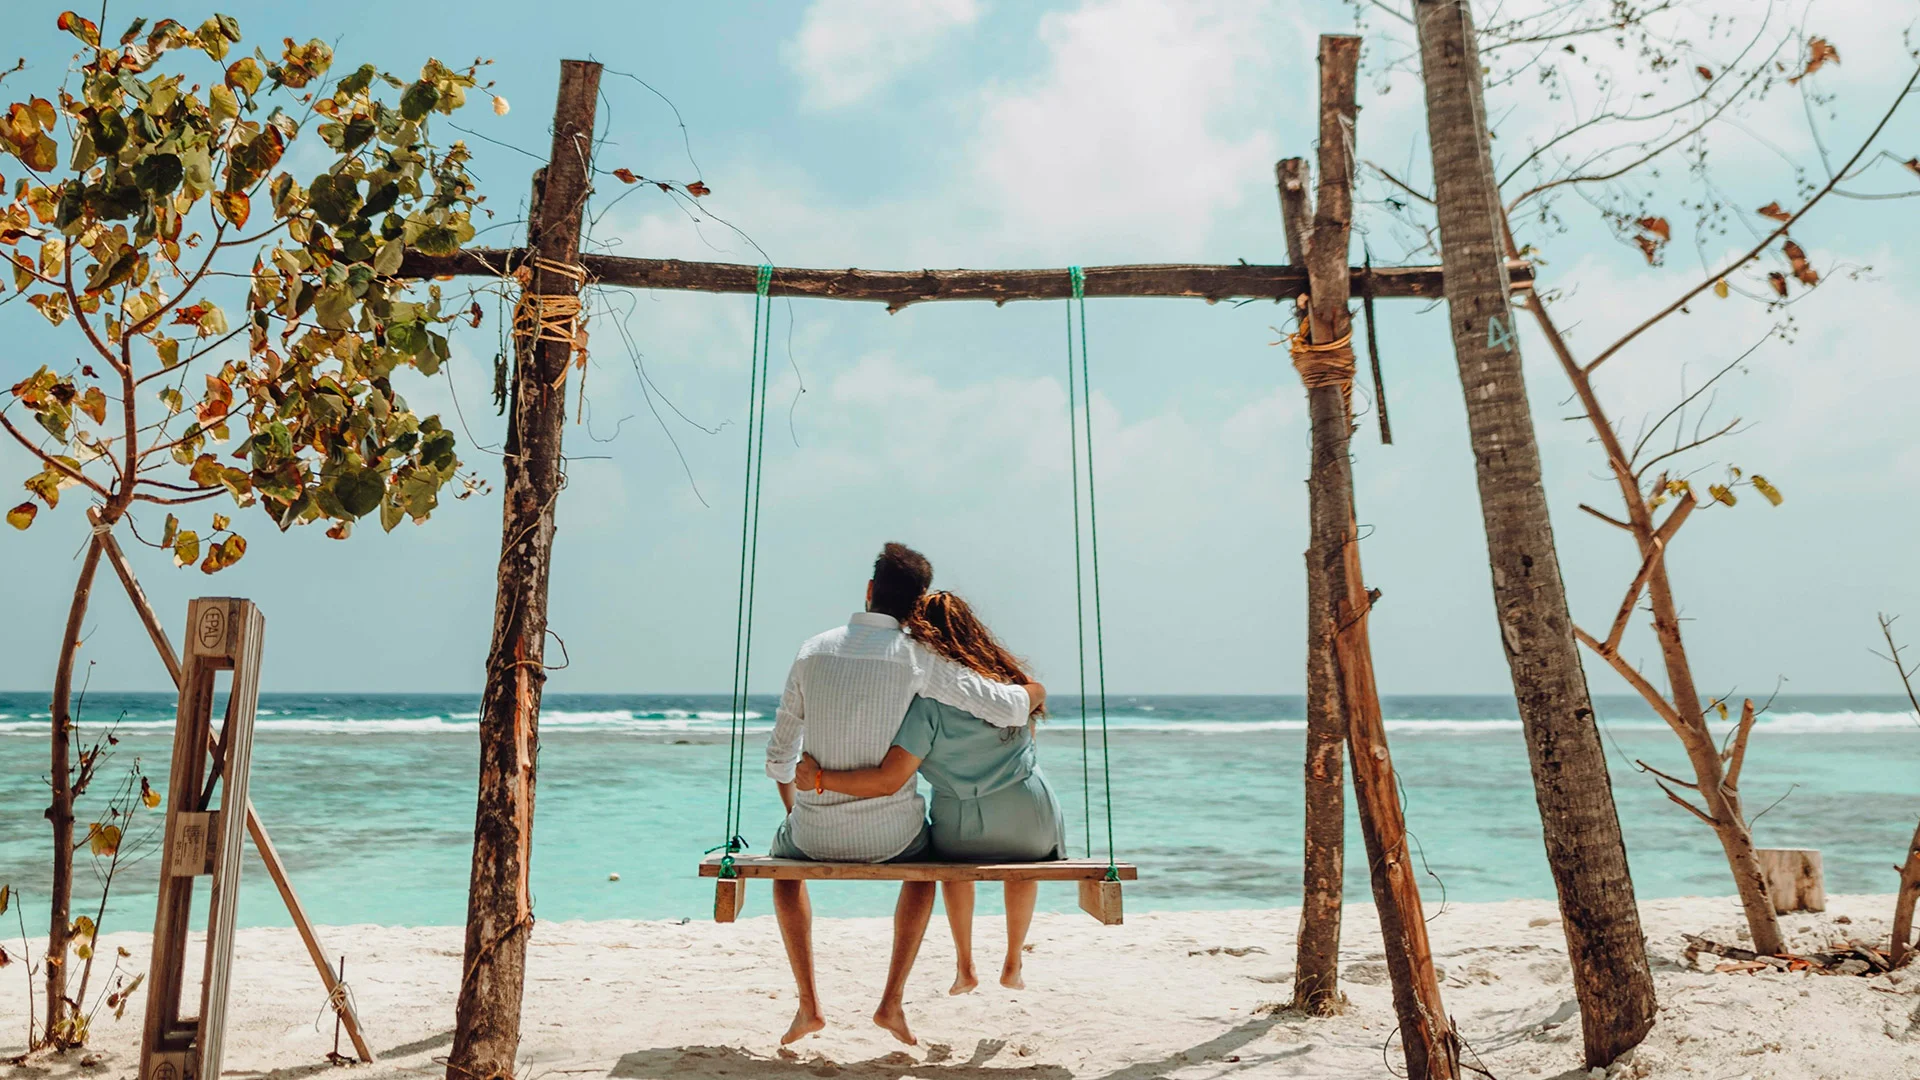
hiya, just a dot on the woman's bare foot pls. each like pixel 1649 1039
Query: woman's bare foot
pixel 806 1021
pixel 1010 977
pixel 964 980
pixel 894 1018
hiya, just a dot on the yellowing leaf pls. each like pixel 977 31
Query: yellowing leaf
pixel 222 104
pixel 186 547
pixel 1772 210
pixel 84 952
pixel 220 522
pixel 21 517
pixel 94 404
pixel 1720 288
pixel 82 926
pixel 1721 494
pixel 103 839
pixel 232 205
pixel 6 897
pixel 1819 54
pixel 86 31
pixel 500 105
pixel 245 74
pixel 1767 491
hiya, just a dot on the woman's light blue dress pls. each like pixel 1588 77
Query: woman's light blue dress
pixel 990 802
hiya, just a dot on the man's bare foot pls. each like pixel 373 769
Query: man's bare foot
pixel 894 1018
pixel 805 1022
pixel 963 983
pixel 1010 978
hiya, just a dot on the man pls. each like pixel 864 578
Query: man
pixel 844 700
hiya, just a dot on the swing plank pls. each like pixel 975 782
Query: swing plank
pixel 764 866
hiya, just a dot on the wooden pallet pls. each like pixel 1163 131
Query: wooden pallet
pixel 337 995
pixel 223 634
pixel 1099 897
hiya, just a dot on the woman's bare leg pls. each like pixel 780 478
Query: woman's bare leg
pixel 1020 899
pixel 957 897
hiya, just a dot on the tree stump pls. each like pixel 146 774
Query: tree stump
pixel 1794 879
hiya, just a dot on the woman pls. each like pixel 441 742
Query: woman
pixel 990 802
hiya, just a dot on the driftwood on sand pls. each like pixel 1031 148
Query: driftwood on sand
pixel 1840 958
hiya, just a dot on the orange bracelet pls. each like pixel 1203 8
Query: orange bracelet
pixel 820 782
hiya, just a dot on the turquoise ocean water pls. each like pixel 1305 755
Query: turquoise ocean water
pixel 369 799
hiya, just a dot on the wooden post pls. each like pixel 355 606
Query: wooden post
pixel 1316 970
pixel 1426 1033
pixel 1794 879
pixel 1904 903
pixel 262 843
pixel 500 904
pixel 222 634
pixel 1585 851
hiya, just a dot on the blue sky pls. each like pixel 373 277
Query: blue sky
pixel 995 133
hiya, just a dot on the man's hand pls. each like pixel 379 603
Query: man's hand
pixel 806 775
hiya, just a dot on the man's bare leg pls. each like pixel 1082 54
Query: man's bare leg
pixel 1020 899
pixel 910 918
pixel 795 914
pixel 957 898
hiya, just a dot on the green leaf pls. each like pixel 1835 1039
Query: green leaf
pixel 159 174
pixel 391 514
pixel 419 100
pixel 387 261
pixel 335 199
pixel 222 104
pixel 20 517
pixel 109 131
pixel 173 400
pixel 360 491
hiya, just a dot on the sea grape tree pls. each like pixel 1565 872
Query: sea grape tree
pixel 240 324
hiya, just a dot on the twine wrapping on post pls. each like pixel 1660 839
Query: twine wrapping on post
pixel 1330 364
pixel 554 317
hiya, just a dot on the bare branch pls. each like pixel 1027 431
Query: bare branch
pixel 1608 518
pixel 1635 679
pixel 1687 806
pixel 1736 755
pixel 49 460
pixel 1644 767
pixel 1761 247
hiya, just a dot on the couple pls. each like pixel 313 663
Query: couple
pixel 914 682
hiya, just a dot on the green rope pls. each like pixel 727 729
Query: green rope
pixel 749 567
pixel 1079 604
pixel 1079 279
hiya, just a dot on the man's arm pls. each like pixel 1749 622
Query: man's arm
pixel 967 690
pixel 789 735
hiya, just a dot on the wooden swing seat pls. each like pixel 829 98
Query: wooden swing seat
pixel 1098 896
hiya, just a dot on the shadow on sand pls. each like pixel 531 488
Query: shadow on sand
pixel 732 1063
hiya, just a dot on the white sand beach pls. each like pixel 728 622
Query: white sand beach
pixel 1188 995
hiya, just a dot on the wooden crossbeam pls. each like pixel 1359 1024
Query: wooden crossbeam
pixel 898 288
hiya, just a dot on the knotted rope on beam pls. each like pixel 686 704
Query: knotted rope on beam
pixel 555 317
pixel 1329 364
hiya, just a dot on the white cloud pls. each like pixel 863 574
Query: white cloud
pixel 848 49
pixel 1138 133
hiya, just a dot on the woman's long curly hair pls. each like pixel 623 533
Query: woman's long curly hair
pixel 947 625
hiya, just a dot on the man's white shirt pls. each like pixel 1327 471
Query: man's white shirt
pixel 844 700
